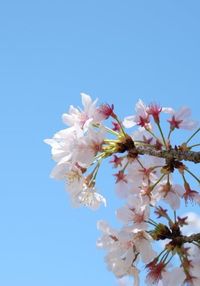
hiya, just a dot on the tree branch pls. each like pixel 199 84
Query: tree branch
pixel 171 154
pixel 193 237
pixel 127 144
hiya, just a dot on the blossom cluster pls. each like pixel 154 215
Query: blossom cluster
pixel 144 167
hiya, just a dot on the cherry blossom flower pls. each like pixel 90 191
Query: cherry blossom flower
pixel 190 195
pixel 120 176
pixel 143 244
pixel 80 193
pixel 156 271
pixel 117 161
pixel 81 118
pixel 173 277
pixel 135 213
pixel 124 248
pixel 105 111
pixel 194 269
pixel 62 143
pixel 180 119
pixel 87 147
pixel 122 185
pixel 141 118
pixel 120 247
pixel 154 110
pixel 144 170
pixel 74 179
pixel 120 250
pixel 144 181
pixel 171 194
pixel 88 197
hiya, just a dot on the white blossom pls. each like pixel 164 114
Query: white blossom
pixel 181 119
pixel 81 118
pixel 141 118
pixel 89 198
pixel 143 181
pixel 173 277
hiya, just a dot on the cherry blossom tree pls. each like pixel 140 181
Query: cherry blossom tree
pixel 145 161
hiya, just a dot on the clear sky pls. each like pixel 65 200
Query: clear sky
pixel 50 51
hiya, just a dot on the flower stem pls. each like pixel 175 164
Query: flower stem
pixel 170 132
pixel 125 166
pixel 164 250
pixel 193 135
pixel 111 131
pixel 164 258
pixel 193 175
pixel 163 138
pixel 151 223
pixel 169 259
pixel 119 122
pixel 140 163
pixel 153 186
pixel 190 147
pixel 175 216
pixel 152 134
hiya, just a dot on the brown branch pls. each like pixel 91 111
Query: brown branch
pixel 169 155
pixel 127 144
pixel 181 239
pixel 193 237
pixel 173 233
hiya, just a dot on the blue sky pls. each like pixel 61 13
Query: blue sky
pixel 50 51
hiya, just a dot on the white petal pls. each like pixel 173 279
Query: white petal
pixel 86 100
pixel 168 110
pixel 140 108
pixel 189 124
pixel 173 200
pixel 183 113
pixel 58 172
pixel 129 121
pixel 65 159
pixel 175 277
